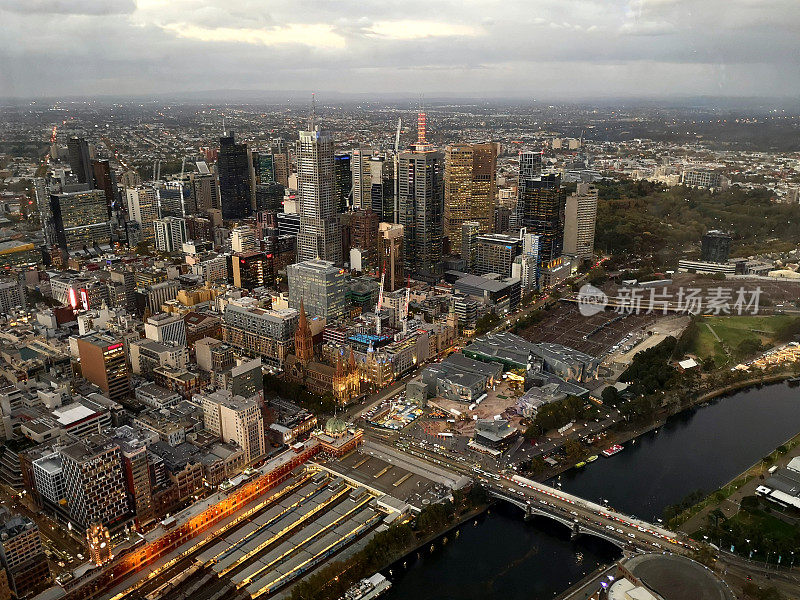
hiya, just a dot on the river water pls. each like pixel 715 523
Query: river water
pixel 501 556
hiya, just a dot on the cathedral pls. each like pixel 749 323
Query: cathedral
pixel 341 379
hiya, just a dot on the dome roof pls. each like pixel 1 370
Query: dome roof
pixel 335 426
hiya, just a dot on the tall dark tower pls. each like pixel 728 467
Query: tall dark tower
pixel 79 160
pixel 421 207
pixel 541 203
pixel 236 185
pixel 343 180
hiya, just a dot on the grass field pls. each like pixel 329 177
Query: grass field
pixel 732 331
pixel 758 520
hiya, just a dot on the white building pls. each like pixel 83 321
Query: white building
pixel 235 420
pixel 579 222
pixel 166 327
pixel 170 234
pixel 243 239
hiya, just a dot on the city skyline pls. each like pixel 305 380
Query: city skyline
pixel 636 48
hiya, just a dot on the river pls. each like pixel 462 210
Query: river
pixel 504 557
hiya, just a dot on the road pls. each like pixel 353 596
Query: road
pixel 634 534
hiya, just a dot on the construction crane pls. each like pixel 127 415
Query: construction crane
pixel 380 302
pixel 405 307
pixel 397 171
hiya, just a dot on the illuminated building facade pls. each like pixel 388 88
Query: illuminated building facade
pixel 103 362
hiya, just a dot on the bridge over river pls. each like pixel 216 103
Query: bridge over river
pixel 583 517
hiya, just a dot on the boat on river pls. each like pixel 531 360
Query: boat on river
pixel 368 588
pixel 615 449
pixel 592 458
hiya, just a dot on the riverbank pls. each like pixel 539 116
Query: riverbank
pixel 430 541
pixel 625 435
pixel 727 498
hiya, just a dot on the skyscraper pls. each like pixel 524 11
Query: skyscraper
pixel 391 254
pixel 204 191
pixel 382 195
pixel 362 176
pixel 320 236
pixel 79 160
pixel 236 185
pixel 143 208
pixel 469 247
pixel 470 187
pixel 343 178
pixel 320 285
pixel 540 205
pixel 421 207
pixel 280 161
pixel 170 233
pixel 579 222
pixel 496 253
pixel 364 238
pixel 105 180
pixel 79 218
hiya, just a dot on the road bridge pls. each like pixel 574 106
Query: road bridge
pixel 583 517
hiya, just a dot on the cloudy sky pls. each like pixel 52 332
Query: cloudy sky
pixel 493 48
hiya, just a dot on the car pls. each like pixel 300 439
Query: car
pixel 630 535
pixel 619 530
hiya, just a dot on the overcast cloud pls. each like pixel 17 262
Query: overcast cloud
pixel 497 48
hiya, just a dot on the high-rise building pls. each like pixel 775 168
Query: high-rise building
pixel 136 468
pixel 175 199
pixel 320 236
pixel 364 238
pixel 235 419
pixel 715 247
pixel 80 219
pixel 269 196
pixel 470 185
pixel 170 233
pixel 143 208
pixel 362 176
pixel 382 194
pixel 79 160
pixel 421 208
pixel 22 555
pixel 248 270
pixel 391 254
pixel 243 239
pixel 236 179
pixel 495 253
pixel 469 247
pixel 103 362
pixel 280 161
pixel 268 333
pixel 94 482
pixel 264 165
pixel 343 178
pixel 580 216
pixel 320 285
pixel 540 205
pixel 105 180
pixel 203 188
